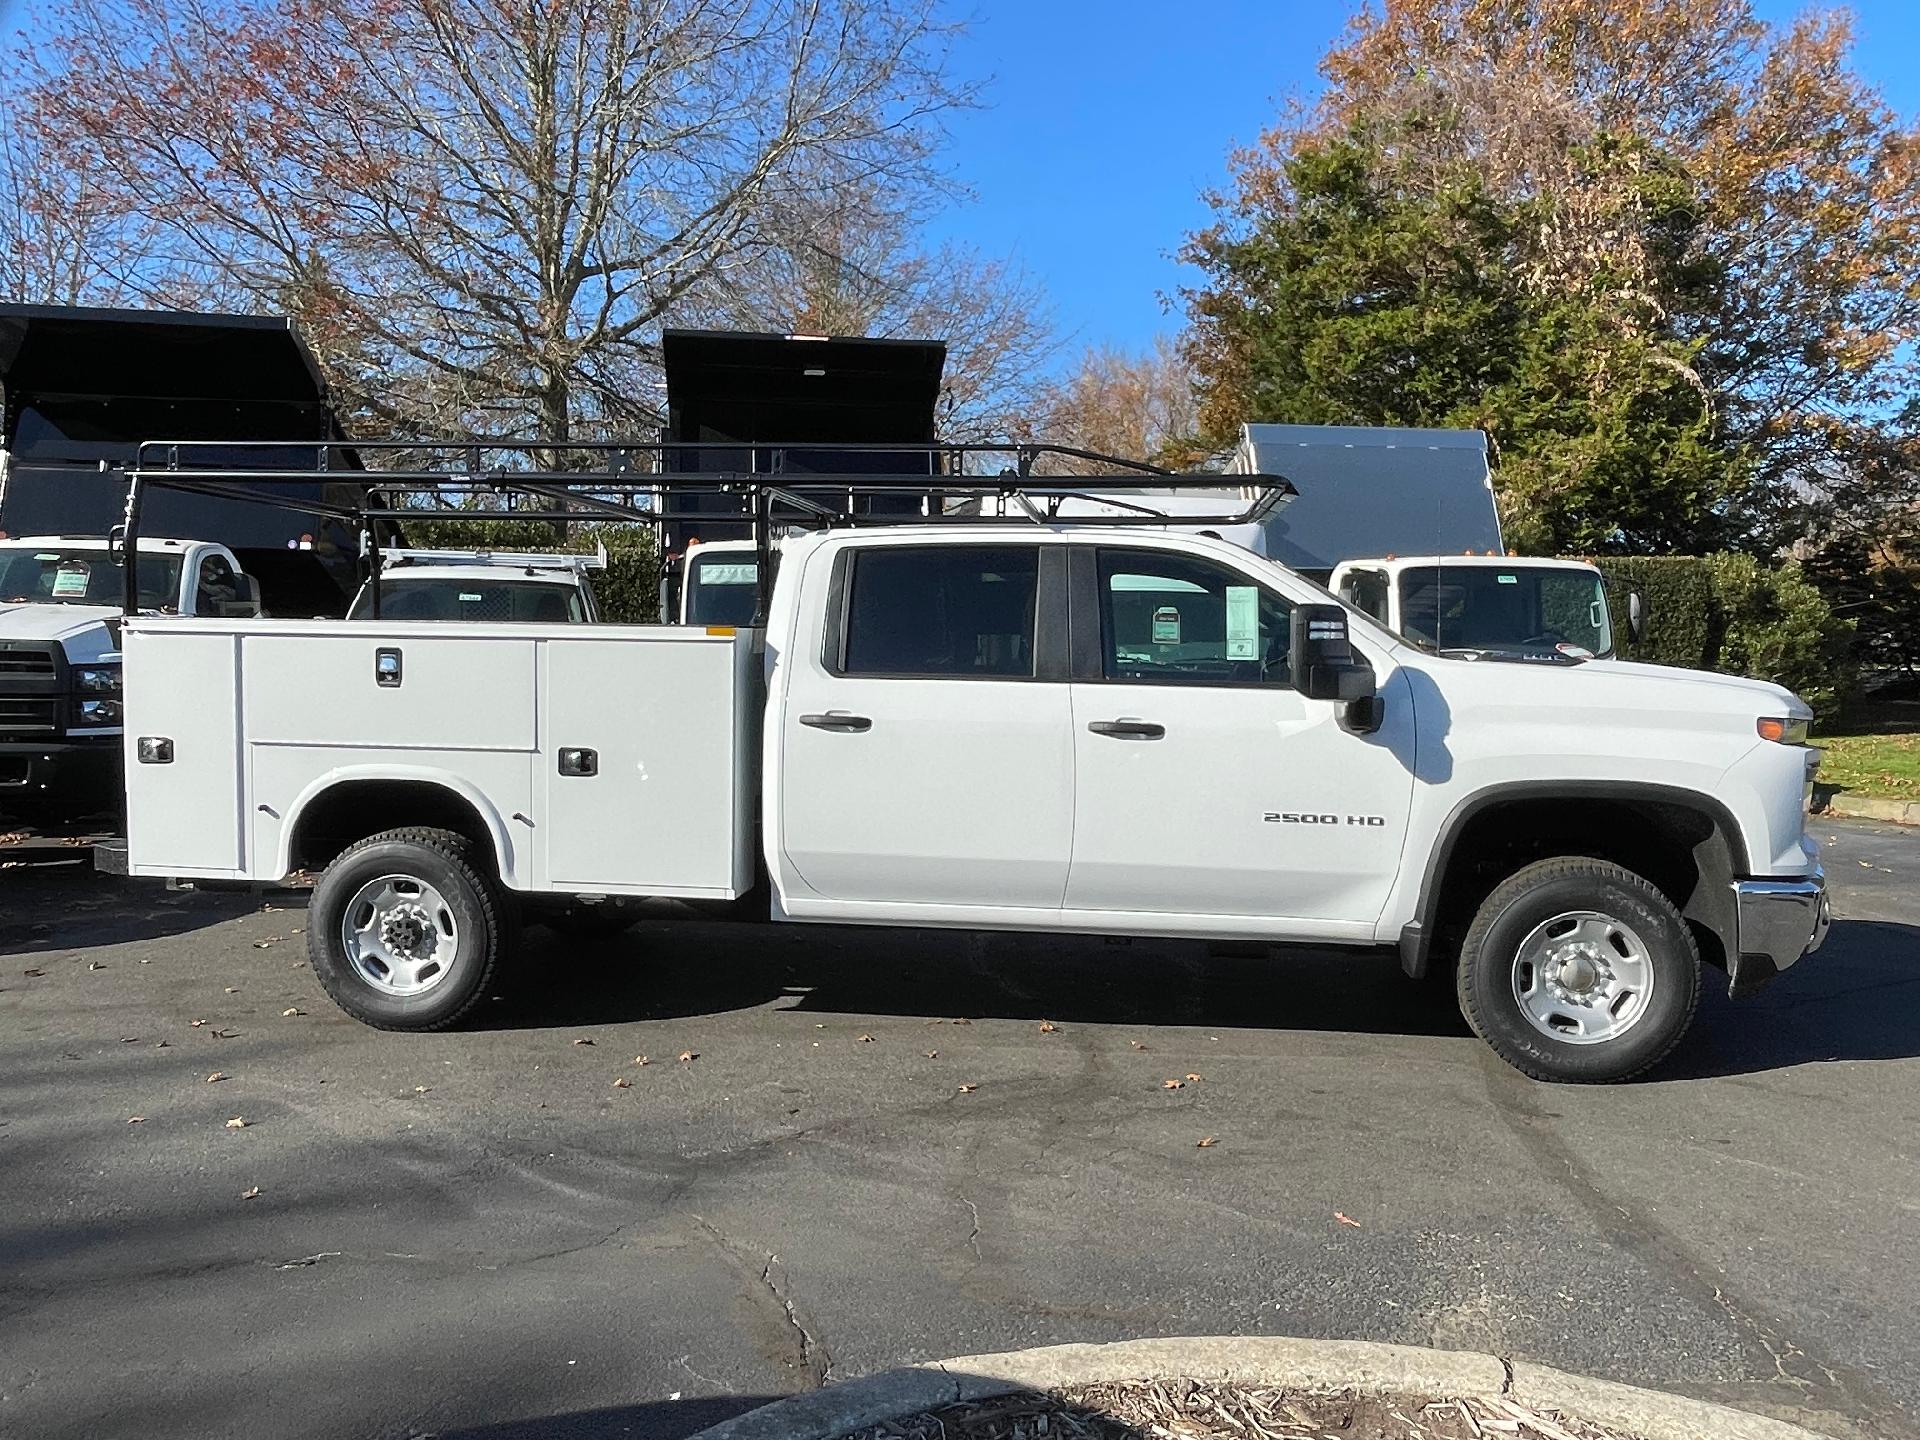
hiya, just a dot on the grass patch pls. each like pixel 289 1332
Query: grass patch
pixel 1882 763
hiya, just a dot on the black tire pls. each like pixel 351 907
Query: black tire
pixel 475 912
pixel 1490 972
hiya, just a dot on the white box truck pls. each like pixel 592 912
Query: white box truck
pixel 998 726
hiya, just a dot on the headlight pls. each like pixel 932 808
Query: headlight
pixel 98 712
pixel 1787 731
pixel 97 679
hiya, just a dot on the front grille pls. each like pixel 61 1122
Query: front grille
pixel 26 662
pixel 19 717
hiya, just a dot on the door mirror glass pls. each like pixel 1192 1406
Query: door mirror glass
pixel 1637 615
pixel 1323 663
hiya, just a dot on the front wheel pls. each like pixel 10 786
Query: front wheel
pixel 1579 970
pixel 404 930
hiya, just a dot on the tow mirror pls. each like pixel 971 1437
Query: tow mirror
pixel 1636 616
pixel 244 603
pixel 1323 663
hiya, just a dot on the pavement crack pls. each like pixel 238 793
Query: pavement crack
pixel 973 1235
pixel 787 1330
pixel 814 1358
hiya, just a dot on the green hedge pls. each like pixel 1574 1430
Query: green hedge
pixel 1732 614
pixel 628 589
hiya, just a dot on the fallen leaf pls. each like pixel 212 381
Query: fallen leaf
pixel 1193 1079
pixel 963 1021
pixel 233 989
pixel 968 1089
pixel 146 962
pixel 129 1039
pixel 33 974
pixel 1864 864
pixel 292 1010
pixel 423 1089
pixel 1047 1027
pixel 866 1039
pixel 75 841
pixel 163 1044
pixel 584 1040
pixel 95 965
pixel 13 837
pixel 299 929
pixel 1205 1142
pixel 687 1057
pixel 236 1123
pixel 641 1060
pixel 620 1082
pixel 266 944
pixel 251 1193
pixel 216 1075
pixel 1173 1084
pixel 196 1024
pixel 932 1054
pixel 1137 1044
pixel 223 1034
pixel 1346 1219
pixel 136 1119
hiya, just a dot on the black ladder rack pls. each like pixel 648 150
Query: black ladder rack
pixel 628 480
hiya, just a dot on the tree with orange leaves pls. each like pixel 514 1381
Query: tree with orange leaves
pixel 1678 243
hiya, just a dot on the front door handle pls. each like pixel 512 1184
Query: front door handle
pixel 1128 729
pixel 579 762
pixel 839 720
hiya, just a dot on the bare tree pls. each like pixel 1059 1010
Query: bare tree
pixel 1141 407
pixel 849 262
pixel 483 211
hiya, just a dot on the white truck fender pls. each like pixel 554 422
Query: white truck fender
pixel 482 807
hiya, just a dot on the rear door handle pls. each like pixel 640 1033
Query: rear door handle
pixel 1128 729
pixel 839 720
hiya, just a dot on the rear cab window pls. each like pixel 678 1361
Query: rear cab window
pixel 939 611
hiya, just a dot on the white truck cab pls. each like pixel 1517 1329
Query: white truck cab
pixel 1016 726
pixel 505 586
pixel 61 599
pixel 719 583
pixel 1485 607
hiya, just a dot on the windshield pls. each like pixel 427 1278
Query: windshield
pixel 722 590
pixel 57 576
pixel 1535 613
pixel 452 597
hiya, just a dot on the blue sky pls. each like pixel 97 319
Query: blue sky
pixel 1107 118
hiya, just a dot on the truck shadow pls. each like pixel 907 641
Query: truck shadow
pixel 1858 999
pixel 698 968
pixel 54 899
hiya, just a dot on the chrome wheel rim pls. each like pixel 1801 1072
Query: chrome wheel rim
pixel 399 935
pixel 1583 977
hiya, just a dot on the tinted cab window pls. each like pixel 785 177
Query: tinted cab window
pixel 959 611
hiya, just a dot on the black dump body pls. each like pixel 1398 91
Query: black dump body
pixel 83 387
pixel 788 402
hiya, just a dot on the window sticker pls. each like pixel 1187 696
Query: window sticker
pixel 744 572
pixel 469 597
pixel 1243 622
pixel 70 580
pixel 1508 579
pixel 1166 626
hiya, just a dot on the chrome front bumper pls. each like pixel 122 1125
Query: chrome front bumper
pixel 1777 921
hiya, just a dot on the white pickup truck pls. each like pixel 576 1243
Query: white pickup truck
pixel 60 617
pixel 1487 607
pixel 1049 727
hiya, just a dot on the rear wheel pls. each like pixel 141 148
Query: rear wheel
pixel 405 930
pixel 1579 970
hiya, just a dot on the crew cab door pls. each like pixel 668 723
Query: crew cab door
pixel 926 746
pixel 1206 784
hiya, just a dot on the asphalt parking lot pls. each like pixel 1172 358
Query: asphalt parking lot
pixel 880 1152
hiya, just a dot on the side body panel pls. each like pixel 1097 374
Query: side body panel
pixel 188 816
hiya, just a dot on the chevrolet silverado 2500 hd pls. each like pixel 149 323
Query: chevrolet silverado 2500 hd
pixel 1043 727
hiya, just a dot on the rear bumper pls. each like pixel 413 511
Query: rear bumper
pixel 1777 921
pixel 85 772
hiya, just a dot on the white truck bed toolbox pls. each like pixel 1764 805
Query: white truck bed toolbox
pixel 599 759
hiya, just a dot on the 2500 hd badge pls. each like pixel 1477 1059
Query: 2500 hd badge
pixel 1305 817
